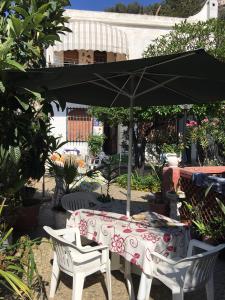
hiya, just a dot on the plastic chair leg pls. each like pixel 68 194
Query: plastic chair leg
pixel 148 288
pixel 210 289
pixel 78 284
pixel 177 295
pixel 108 281
pixel 128 277
pixel 144 287
pixel 55 277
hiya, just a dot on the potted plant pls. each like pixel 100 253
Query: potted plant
pixel 66 176
pixel 22 209
pixel 28 212
pixel 18 272
pixel 95 143
pixel 212 231
pixel 172 154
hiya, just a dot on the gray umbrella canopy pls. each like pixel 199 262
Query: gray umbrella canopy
pixel 190 77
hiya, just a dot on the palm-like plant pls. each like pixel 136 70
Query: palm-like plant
pixel 66 172
pixel 10 267
pixel 110 171
pixel 11 178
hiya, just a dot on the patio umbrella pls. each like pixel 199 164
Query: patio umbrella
pixel 190 77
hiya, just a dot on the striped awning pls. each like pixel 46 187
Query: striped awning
pixel 90 35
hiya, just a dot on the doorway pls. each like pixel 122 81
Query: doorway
pixel 110 144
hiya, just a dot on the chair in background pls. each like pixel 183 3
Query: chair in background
pixel 78 200
pixel 77 261
pixel 95 162
pixel 184 275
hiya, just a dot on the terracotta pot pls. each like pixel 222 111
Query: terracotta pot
pixel 27 193
pixel 26 218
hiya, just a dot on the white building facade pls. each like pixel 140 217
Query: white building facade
pixel 105 37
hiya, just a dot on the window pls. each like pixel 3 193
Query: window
pixel 71 57
pixel 100 56
pixel 79 125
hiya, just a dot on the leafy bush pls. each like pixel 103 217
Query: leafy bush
pixel 140 183
pixel 65 172
pixel 95 143
pixel 18 272
pixel 214 228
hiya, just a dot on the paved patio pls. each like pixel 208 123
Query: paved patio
pixel 94 288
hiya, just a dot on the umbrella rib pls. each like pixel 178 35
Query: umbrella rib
pixel 184 76
pixel 92 81
pixel 133 72
pixel 171 60
pixel 162 63
pixel 157 86
pixel 114 100
pixel 159 64
pixel 139 81
pixel 113 85
pixel 175 91
pixel 105 87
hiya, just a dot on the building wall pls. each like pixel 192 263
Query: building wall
pixel 140 30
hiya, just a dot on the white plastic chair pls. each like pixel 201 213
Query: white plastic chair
pixel 79 200
pixel 77 261
pixel 96 162
pixel 184 275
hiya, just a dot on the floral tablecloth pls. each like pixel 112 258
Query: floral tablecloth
pixel 131 239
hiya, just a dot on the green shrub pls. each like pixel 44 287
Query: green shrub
pixel 95 143
pixel 140 183
pixel 19 278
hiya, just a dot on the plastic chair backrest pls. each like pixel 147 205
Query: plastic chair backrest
pixel 62 248
pixel 78 200
pixel 200 268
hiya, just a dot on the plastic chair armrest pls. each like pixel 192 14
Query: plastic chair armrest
pixel 70 234
pixel 198 244
pixel 160 257
pixel 67 230
pixel 91 249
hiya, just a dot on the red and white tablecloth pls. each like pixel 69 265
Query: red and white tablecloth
pixel 131 239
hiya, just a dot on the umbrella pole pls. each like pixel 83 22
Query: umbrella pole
pixel 130 156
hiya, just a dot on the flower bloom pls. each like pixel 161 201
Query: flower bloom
pixel 191 124
pixel 205 120
pixel 83 227
pixel 166 237
pixel 135 258
pixel 170 248
pixel 118 244
pixel 149 236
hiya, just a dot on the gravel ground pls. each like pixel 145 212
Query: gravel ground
pixel 94 287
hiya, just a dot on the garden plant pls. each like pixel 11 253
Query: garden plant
pixel 27 29
pixel 95 143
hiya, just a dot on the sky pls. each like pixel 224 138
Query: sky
pixel 102 4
